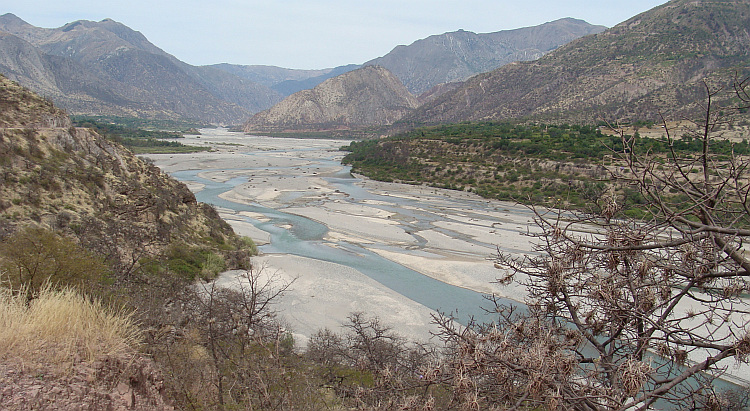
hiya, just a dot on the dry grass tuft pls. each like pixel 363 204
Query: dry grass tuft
pixel 62 326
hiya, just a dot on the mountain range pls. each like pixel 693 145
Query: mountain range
pixel 430 67
pixel 652 63
pixel 656 63
pixel 458 55
pixel 437 59
pixel 106 68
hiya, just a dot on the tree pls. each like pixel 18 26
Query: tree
pixel 34 256
pixel 230 350
pixel 625 313
pixel 374 366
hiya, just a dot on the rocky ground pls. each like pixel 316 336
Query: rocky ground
pixel 111 383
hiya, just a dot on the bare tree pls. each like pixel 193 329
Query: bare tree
pixel 627 313
pixel 237 318
pixel 226 348
pixel 373 366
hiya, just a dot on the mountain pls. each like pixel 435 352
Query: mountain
pixel 107 68
pixel 437 59
pixel 651 63
pixel 458 55
pixel 289 87
pixel 370 96
pixel 284 81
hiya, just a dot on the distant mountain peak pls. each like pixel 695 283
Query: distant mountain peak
pixel 459 55
pixel 11 21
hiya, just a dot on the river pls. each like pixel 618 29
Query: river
pixel 427 249
pixel 347 244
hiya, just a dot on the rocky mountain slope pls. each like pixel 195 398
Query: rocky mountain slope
pixel 458 55
pixel 651 63
pixel 437 59
pixel 73 181
pixel 370 96
pixel 104 67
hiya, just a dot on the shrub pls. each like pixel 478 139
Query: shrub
pixel 35 256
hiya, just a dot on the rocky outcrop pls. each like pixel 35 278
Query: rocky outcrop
pixel 370 96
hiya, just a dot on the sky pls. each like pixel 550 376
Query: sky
pixel 311 34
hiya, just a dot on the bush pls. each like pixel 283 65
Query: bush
pixel 35 256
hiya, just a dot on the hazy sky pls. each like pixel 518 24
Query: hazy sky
pixel 311 33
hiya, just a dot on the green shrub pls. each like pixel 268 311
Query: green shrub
pixel 33 257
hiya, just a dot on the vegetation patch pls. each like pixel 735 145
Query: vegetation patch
pixel 61 325
pixel 551 165
pixel 140 140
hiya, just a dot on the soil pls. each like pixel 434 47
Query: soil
pixel 111 383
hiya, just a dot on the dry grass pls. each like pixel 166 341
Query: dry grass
pixel 61 327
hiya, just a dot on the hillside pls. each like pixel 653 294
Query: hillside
pixel 458 55
pixel 651 63
pixel 106 68
pixel 370 96
pixel 101 240
pixel 74 182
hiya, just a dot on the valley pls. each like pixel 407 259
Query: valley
pixel 552 217
pixel 347 244
pixel 352 244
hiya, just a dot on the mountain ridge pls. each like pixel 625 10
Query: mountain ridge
pixel 458 55
pixel 429 62
pixel 652 63
pixel 369 96
pixel 105 67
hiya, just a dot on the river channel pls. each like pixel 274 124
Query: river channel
pixel 423 247
pixel 348 244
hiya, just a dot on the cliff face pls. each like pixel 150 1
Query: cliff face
pixel 74 181
pixel 370 96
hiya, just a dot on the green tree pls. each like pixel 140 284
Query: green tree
pixel 34 256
